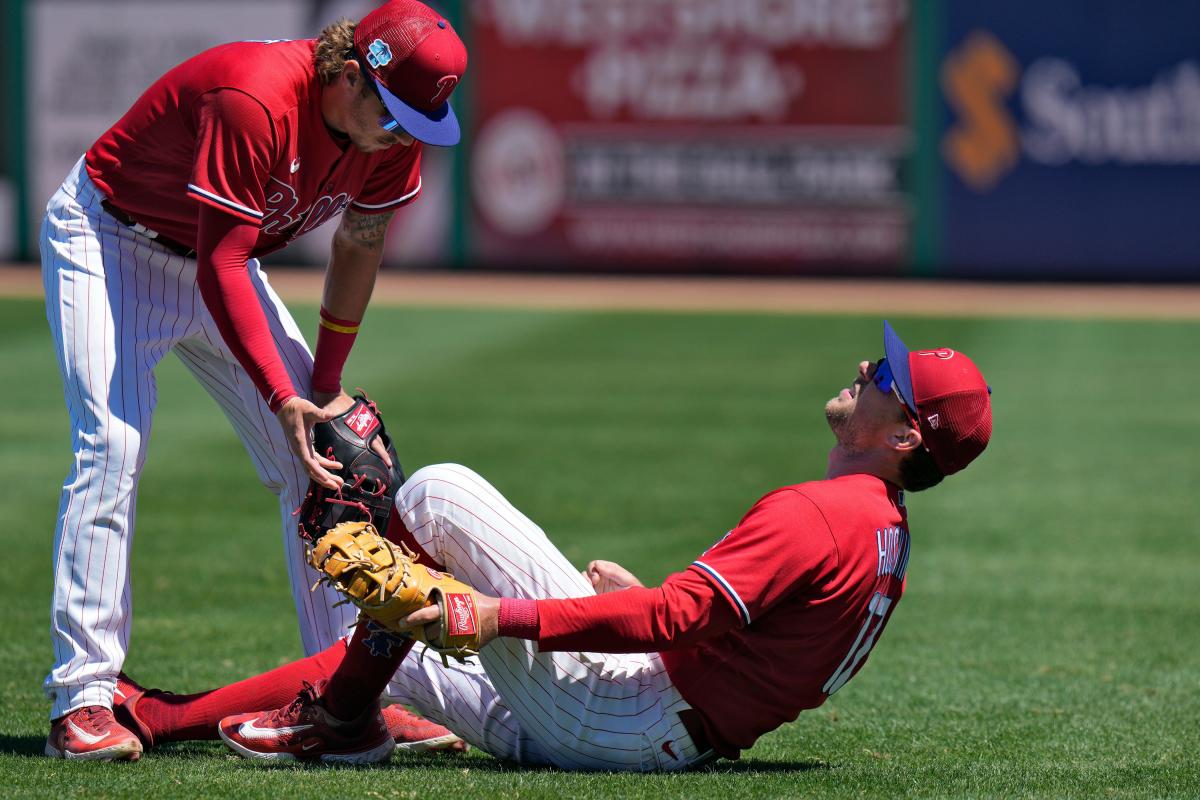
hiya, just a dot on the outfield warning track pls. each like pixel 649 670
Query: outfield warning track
pixel 772 295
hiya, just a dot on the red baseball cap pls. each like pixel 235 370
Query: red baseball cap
pixel 947 394
pixel 415 59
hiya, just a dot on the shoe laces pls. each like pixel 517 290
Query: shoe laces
pixel 308 696
pixel 94 719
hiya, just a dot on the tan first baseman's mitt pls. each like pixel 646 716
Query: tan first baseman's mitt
pixel 384 581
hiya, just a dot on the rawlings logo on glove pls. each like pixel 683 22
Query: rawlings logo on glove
pixel 383 580
pixel 360 420
pixel 461 614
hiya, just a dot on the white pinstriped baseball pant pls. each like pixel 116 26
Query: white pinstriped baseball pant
pixel 570 710
pixel 116 303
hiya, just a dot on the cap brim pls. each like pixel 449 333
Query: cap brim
pixel 438 127
pixel 897 356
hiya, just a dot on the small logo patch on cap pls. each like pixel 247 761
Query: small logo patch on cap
pixel 379 54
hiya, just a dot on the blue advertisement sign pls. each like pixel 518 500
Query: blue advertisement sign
pixel 1070 141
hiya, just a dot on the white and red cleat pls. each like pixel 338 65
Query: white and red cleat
pixel 91 733
pixel 305 731
pixel 416 734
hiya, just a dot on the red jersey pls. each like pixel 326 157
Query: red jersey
pixel 239 127
pixel 814 572
pixel 809 579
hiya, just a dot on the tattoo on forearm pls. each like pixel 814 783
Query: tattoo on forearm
pixel 364 230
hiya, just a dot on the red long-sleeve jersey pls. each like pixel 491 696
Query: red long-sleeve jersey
pixel 771 620
pixel 238 130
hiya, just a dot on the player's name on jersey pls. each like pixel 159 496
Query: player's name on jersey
pixel 893 551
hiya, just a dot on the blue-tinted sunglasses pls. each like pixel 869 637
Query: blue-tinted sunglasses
pixel 885 382
pixel 883 378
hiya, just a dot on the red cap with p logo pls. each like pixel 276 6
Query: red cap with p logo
pixel 415 59
pixel 949 397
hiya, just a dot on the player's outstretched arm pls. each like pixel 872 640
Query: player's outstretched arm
pixel 681 612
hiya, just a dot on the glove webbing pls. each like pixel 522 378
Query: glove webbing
pixel 366 564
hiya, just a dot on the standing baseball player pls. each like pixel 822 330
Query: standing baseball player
pixel 152 244
pixel 595 671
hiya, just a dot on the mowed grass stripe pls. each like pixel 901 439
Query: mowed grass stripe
pixel 1045 648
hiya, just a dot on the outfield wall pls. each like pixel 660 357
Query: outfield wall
pixel 1016 140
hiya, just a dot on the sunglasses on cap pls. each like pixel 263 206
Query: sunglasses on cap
pixel 387 121
pixel 885 382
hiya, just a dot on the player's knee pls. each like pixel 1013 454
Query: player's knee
pixel 120 455
pixel 428 479
pixel 436 481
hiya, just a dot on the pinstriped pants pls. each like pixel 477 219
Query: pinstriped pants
pixel 116 303
pixel 570 710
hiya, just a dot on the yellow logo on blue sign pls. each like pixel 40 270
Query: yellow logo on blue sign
pixel 978 78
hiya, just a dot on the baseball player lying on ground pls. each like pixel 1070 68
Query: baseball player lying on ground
pixel 152 245
pixel 594 670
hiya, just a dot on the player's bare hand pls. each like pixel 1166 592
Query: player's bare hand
pixel 336 403
pixel 609 576
pixel 430 618
pixel 297 416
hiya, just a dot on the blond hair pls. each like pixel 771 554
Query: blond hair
pixel 334 46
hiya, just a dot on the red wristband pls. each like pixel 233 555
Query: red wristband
pixel 518 618
pixel 335 337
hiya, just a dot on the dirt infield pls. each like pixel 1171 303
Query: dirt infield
pixel 778 295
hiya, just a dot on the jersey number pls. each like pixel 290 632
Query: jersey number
pixel 876 614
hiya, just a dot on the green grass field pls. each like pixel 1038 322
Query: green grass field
pixel 1048 645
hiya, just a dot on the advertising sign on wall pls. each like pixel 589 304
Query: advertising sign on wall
pixel 1071 147
pixel 764 134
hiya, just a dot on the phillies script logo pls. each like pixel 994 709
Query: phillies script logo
pixel 461 615
pixel 445 86
pixel 281 209
pixel 978 78
pixel 362 422
pixel 944 353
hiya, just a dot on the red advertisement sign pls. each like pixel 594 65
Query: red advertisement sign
pixel 764 134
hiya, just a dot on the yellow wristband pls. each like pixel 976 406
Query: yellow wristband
pixel 333 326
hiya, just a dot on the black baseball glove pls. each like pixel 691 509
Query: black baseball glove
pixel 369 488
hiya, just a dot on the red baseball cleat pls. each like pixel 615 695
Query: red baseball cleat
pixel 416 734
pixel 125 700
pixel 305 731
pixel 91 733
